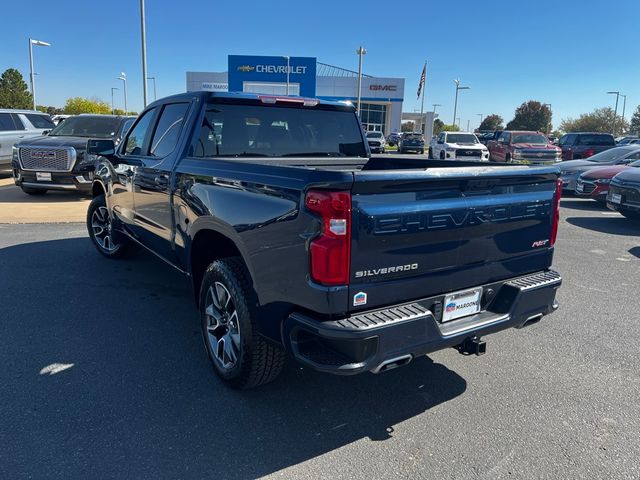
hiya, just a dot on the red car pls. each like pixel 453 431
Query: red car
pixel 594 183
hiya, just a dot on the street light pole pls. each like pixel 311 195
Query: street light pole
pixel 458 122
pixel 154 87
pixel 123 77
pixel 548 124
pixel 481 116
pixel 32 74
pixel 361 52
pixel 615 112
pixel 455 104
pixel 113 110
pixel 468 122
pixel 624 106
pixel 143 39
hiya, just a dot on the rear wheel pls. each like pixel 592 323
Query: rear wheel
pixel 430 154
pixel 507 158
pixel 100 227
pixel 34 191
pixel 442 155
pixel 422 152
pixel 240 356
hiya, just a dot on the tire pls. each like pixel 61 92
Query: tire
pixel 441 154
pixel 383 151
pixel 240 356
pixel 400 150
pixel 100 230
pixel 34 191
pixel 430 154
pixel 422 152
pixel 507 158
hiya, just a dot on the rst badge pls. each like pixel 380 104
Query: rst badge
pixel 359 299
pixel 539 243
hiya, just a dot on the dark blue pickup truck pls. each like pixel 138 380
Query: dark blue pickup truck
pixel 298 242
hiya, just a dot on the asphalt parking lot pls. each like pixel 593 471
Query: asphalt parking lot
pixel 104 376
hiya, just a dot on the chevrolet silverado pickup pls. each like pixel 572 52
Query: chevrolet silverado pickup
pixel 298 242
pixel 524 147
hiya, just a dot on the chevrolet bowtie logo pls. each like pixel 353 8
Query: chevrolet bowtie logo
pixel 246 68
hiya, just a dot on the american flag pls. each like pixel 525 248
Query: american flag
pixel 423 77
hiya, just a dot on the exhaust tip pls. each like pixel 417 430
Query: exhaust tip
pixel 393 363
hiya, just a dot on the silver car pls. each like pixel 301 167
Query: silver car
pixel 16 125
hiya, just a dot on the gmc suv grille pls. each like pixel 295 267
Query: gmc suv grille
pixel 52 159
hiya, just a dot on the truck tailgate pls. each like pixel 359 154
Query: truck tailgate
pixel 425 232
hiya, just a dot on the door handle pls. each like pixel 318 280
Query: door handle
pixel 161 180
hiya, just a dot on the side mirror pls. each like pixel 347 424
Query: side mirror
pixel 103 147
pixel 45 132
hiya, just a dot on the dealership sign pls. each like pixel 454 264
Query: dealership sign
pixel 277 70
pixel 215 86
pixel 383 88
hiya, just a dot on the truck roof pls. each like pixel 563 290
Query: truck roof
pixel 205 95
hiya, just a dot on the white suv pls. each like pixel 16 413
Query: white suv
pixel 458 146
pixel 16 125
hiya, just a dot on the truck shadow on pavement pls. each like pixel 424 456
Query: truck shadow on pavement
pixel 105 376
pixel 617 225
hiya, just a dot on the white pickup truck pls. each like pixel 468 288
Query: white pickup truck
pixel 458 145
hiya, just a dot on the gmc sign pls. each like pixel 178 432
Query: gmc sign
pixel 383 88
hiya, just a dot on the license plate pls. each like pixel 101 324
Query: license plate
pixel 615 198
pixel 579 188
pixel 461 304
pixel 43 176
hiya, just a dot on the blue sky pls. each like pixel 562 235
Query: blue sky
pixel 567 53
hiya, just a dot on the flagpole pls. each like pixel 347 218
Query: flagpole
pixel 422 119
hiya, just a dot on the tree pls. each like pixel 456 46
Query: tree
pixel 13 90
pixel 492 122
pixel 438 125
pixel 634 128
pixel 600 120
pixel 531 115
pixel 50 110
pixel 77 105
pixel 407 126
pixel 451 128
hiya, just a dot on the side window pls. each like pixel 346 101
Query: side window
pixel 17 121
pixel 40 121
pixel 504 136
pixel 168 130
pixel 6 122
pixel 136 137
pixel 441 137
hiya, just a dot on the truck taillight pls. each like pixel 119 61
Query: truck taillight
pixel 331 251
pixel 588 153
pixel 556 212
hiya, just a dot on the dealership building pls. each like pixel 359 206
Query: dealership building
pixel 380 98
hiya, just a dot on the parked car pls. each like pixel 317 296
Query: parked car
pixel 393 138
pixel 594 183
pixel 59 161
pixel 583 145
pixel 624 193
pixel 524 147
pixel 345 262
pixel 572 169
pixel 376 141
pixel 457 145
pixel 411 142
pixel 16 125
pixel 489 137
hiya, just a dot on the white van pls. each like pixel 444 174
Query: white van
pixel 16 125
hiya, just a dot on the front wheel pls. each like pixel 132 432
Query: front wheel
pixel 241 357
pixel 100 227
pixel 430 154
